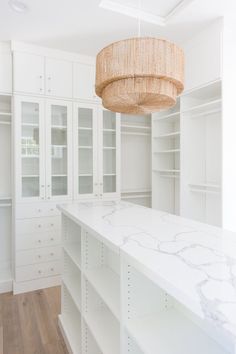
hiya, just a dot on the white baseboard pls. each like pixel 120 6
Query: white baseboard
pixel 64 334
pixel 36 284
pixel 6 286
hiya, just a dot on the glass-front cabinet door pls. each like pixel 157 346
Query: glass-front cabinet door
pixel 85 151
pixel 29 151
pixel 59 149
pixel 110 154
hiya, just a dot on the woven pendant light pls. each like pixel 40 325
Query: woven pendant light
pixel 139 75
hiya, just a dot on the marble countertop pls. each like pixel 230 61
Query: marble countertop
pixel 195 263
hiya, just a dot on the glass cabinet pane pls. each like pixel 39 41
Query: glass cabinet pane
pixel 85 150
pixel 30 149
pixel 109 152
pixel 59 150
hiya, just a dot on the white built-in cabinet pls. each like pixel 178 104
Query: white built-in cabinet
pixel 84 80
pixel 39 75
pixel 96 152
pixel 43 149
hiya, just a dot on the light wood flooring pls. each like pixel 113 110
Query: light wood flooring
pixel 28 323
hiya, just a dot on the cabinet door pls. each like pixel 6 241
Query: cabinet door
pixel 29 148
pixel 84 81
pixel 58 149
pixel 5 72
pixel 28 73
pixel 109 160
pixel 59 78
pixel 85 151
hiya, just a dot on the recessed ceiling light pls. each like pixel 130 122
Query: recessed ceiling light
pixel 18 6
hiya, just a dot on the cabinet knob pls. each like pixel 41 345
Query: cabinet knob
pixel 49 78
pixel 96 195
pixel 49 90
pixel 39 271
pixel 40 76
pixel 42 197
pixel 39 256
pixel 40 89
pixel 48 197
pixel 52 269
pixel 39 225
pixel 39 210
pixel 52 239
pixel 39 241
pixel 51 209
pixel 100 195
pixel 52 254
pixel 52 225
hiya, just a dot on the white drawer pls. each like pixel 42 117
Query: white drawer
pixel 25 226
pixel 36 271
pixel 38 240
pixel 34 210
pixel 39 255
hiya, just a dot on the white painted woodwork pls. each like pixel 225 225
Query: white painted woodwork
pixel 84 81
pixel 28 73
pixel 5 71
pixel 58 78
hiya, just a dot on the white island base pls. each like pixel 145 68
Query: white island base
pixel 112 304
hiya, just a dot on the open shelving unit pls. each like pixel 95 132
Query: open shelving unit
pixel 5 194
pixel 202 154
pixel 157 323
pixel 135 159
pixel 166 151
pixel 110 306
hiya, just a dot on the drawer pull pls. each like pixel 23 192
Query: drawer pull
pixel 39 256
pixel 52 239
pixel 52 225
pixel 52 269
pixel 39 241
pixel 39 271
pixel 52 254
pixel 39 225
pixel 39 210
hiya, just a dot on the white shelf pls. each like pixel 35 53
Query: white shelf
pixel 30 156
pixel 171 115
pixel 166 171
pixel 107 285
pixel 167 151
pixel 30 125
pixel 206 185
pixel 74 289
pixel 109 130
pixel 136 196
pixel 59 175
pixel 30 176
pixel 203 106
pixel 135 191
pixel 5 123
pixel 7 114
pixel 135 133
pixel 168 135
pixel 170 332
pixel 63 127
pixel 86 175
pixel 73 251
pixel 132 126
pixel 84 147
pixel 109 147
pixel 109 174
pixel 73 336
pixel 105 330
pixel 59 146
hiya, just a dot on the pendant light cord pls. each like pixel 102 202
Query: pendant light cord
pixel 139 19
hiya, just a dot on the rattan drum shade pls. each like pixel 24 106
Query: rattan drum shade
pixel 140 75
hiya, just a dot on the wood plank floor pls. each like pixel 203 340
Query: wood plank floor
pixel 28 323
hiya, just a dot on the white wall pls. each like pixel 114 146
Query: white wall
pixel 203 56
pixel 229 125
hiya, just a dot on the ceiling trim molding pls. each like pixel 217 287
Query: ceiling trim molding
pixel 145 16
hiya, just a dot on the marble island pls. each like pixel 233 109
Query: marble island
pixel 192 263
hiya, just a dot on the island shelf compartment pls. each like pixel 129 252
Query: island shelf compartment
pixel 158 323
pixel 101 267
pixel 71 239
pixel 70 322
pixel 103 325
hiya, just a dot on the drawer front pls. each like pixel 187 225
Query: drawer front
pixel 32 210
pixel 37 271
pixel 38 225
pixel 39 255
pixel 38 240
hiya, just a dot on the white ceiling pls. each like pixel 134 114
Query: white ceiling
pixel 82 26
